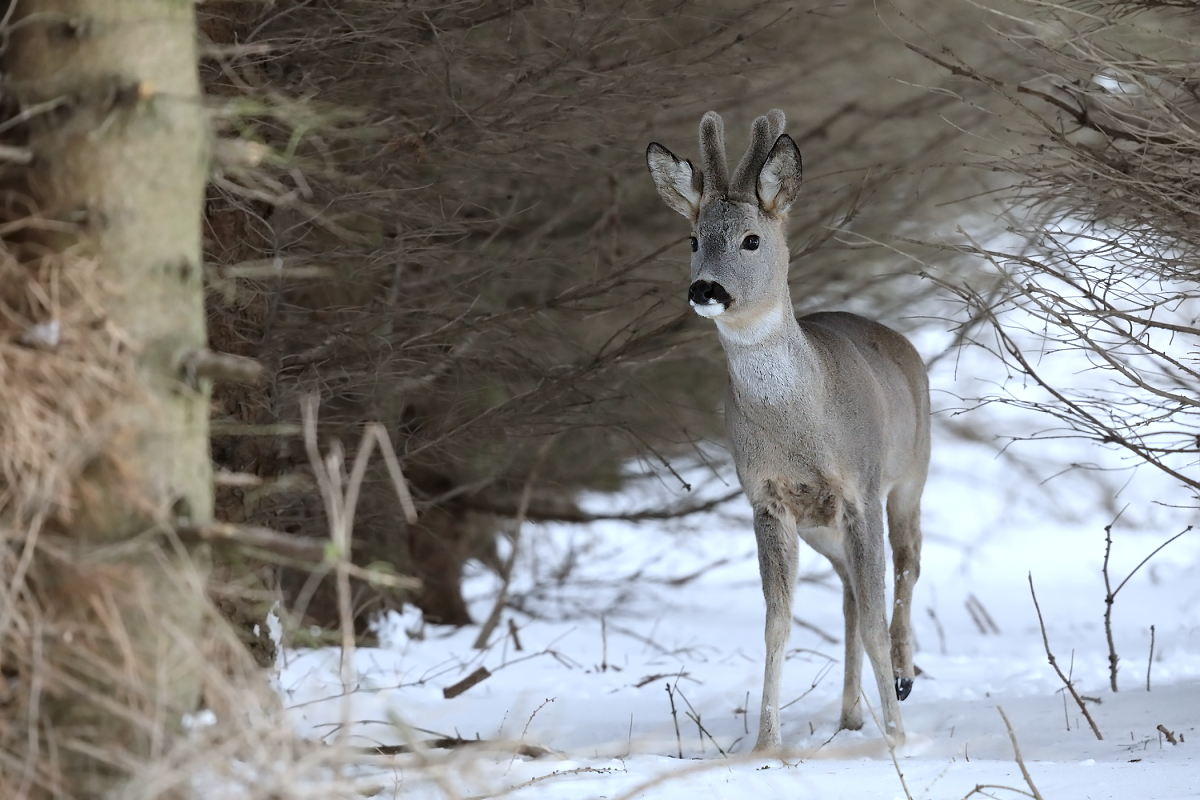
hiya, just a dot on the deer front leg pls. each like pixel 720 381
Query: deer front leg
pixel 865 566
pixel 777 563
pixel 852 711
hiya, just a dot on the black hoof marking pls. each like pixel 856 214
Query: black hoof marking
pixel 903 687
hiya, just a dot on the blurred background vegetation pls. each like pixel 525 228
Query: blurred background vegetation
pixel 435 215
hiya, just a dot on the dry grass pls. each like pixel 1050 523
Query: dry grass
pixel 61 373
pixel 69 609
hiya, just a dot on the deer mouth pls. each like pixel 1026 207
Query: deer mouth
pixel 708 298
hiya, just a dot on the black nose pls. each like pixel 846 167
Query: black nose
pixel 704 292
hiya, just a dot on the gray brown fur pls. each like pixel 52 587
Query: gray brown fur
pixel 828 415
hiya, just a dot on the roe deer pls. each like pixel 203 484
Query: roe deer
pixel 828 415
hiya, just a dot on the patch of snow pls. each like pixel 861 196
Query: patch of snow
pixel 611 614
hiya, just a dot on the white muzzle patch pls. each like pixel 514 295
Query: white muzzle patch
pixel 710 309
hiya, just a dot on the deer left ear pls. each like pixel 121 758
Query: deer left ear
pixel 779 179
pixel 678 183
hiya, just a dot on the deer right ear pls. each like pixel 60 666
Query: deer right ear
pixel 779 179
pixel 678 183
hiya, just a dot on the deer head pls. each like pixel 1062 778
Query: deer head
pixel 739 226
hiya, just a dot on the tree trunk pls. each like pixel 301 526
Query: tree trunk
pixel 117 131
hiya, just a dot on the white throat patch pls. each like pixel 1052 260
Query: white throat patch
pixel 760 364
pixel 757 329
pixel 767 374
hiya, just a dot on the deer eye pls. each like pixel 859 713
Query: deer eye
pixel 750 242
pixel 695 244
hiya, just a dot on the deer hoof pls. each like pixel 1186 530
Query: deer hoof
pixel 903 687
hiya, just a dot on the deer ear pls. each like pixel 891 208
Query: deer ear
pixel 779 179
pixel 678 183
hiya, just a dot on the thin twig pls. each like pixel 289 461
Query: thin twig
pixel 514 633
pixel 820 676
pixel 584 518
pixel 696 719
pixel 694 715
pixel 506 579
pixel 675 717
pixel 808 626
pixel 1153 553
pixel 1110 595
pixel 1050 656
pixel 1012 736
pixel 1150 661
pixel 603 645
pixel 525 730
pixel 891 745
pixel 981 617
pixel 979 789
pixel 264 542
pixel 301 548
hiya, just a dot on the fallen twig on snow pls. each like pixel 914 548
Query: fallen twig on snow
pixel 478 676
pixel 455 742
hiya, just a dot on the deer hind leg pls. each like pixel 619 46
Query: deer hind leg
pixel 865 566
pixel 777 562
pixel 904 532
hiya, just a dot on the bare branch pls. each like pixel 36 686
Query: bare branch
pixel 1050 657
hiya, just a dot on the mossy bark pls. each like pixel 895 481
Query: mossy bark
pixel 118 135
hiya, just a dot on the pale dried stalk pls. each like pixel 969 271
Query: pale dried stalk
pixel 339 509
pixel 393 465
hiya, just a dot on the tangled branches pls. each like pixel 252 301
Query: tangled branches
pixel 1092 295
pixel 453 234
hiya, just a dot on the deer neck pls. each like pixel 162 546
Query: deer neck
pixel 770 359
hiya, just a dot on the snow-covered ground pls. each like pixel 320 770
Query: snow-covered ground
pixel 610 614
